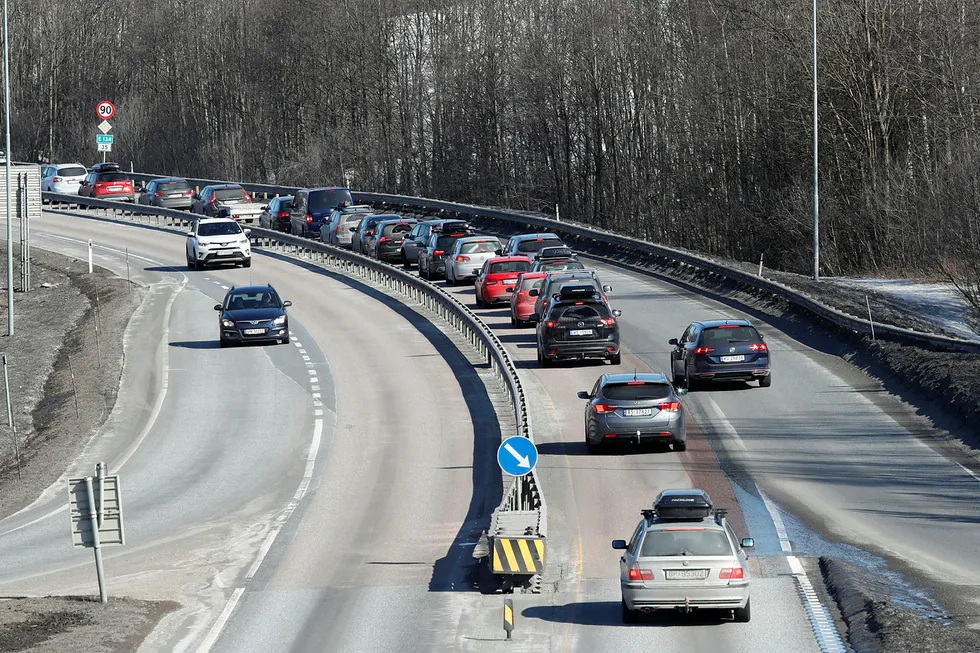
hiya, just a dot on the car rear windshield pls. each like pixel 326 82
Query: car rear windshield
pixel 113 176
pixel 398 228
pixel 480 247
pixel 445 242
pixel 551 266
pixel 71 171
pixel 531 284
pixel 218 229
pixel 535 245
pixel 229 194
pixel 635 391
pixel 285 205
pixel 510 266
pixel 686 543
pixel 173 185
pixel 580 312
pixel 329 199
pixel 350 218
pixel 729 334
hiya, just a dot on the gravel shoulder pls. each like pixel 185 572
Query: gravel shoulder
pixel 67 346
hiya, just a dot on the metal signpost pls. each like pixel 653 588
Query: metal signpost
pixel 517 456
pixel 105 110
pixel 95 506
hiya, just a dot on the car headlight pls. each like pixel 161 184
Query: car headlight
pixel 279 321
pixel 228 324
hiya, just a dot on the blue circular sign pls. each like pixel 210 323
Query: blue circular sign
pixel 517 455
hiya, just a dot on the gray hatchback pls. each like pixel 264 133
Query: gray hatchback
pixel 634 408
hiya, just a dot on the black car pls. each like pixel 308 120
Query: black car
pixel 365 230
pixel 387 246
pixel 578 325
pixel 720 350
pixel 252 314
pixel 432 258
pixel 312 207
pixel 276 215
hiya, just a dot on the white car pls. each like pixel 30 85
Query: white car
pixel 218 241
pixel 62 178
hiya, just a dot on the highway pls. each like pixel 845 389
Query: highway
pixel 406 416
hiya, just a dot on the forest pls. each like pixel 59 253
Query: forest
pixel 685 123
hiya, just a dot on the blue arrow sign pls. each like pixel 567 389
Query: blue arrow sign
pixel 517 456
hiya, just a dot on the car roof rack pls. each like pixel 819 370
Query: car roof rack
pixel 107 166
pixel 559 251
pixel 452 225
pixel 681 505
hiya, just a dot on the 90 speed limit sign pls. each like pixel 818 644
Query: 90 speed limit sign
pixel 106 109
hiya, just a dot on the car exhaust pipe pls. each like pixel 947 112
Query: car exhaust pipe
pixel 646 610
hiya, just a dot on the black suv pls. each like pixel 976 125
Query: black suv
pixel 252 314
pixel 578 325
pixel 432 259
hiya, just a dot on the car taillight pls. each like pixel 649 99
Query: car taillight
pixel 189 192
pixel 285 214
pixel 248 198
pixel 670 406
pixel 438 252
pixel 369 232
pixel 640 574
pixel 758 347
pixel 605 408
pixel 213 199
pixel 551 324
pixel 732 573
pixel 608 321
pixel 57 179
pixel 703 350
pixel 382 239
pixel 462 258
pixel 491 282
pixel 309 217
pixel 158 194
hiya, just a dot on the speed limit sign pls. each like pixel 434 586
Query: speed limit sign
pixel 106 109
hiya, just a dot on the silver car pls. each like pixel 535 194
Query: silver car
pixel 466 258
pixel 339 229
pixel 62 178
pixel 684 556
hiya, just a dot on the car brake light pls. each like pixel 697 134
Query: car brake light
pixel 635 382
pixel 189 191
pixel 489 282
pixel 369 232
pixel 670 406
pixel 729 326
pixel 732 573
pixel 761 346
pixel 248 198
pixel 158 194
pixel 309 217
pixel 605 408
pixel 611 321
pixel 438 252
pixel 550 324
pixel 640 574
pixel 285 214
pixel 382 239
pixel 539 240
pixel 703 350
pixel 57 179
pixel 462 258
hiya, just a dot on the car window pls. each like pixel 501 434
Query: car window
pixel 398 228
pixel 583 312
pixel 509 266
pixel 716 335
pixel 633 391
pixel 548 266
pixel 230 194
pixel 635 540
pixel 218 229
pixel 173 186
pixel 481 247
pixel 535 245
pixel 329 199
pixel 445 242
pixel 531 284
pixel 685 543
pixel 351 218
pixel 112 176
pixel 70 171
pixel 258 299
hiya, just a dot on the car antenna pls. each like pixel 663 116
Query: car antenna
pixel 634 374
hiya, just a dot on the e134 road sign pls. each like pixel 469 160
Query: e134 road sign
pixel 517 456
pixel 104 138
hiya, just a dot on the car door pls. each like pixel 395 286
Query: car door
pixel 410 246
pixel 149 192
pixel 191 239
pixel 687 347
pixel 46 176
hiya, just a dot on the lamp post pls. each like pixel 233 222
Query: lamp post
pixel 10 224
pixel 816 168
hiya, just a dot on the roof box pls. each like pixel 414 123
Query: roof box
pixel 577 291
pixel 554 252
pixel 683 504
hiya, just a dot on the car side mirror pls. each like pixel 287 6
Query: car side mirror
pixel 533 292
pixel 619 545
pixel 748 543
pixel 672 341
pixel 498 252
pixel 534 317
pixel 680 392
pixel 287 304
pixel 247 231
pixel 607 289
pixel 190 234
pixel 617 313
pixel 217 307
pixel 584 395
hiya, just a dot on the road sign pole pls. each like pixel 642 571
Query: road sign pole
pixel 90 256
pixel 100 475
pixel 94 518
pixel 509 617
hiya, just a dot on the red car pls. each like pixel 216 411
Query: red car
pixel 521 303
pixel 107 183
pixel 497 278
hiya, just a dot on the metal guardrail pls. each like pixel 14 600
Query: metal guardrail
pixel 591 239
pixel 522 509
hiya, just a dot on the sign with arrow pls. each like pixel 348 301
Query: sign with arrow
pixel 517 456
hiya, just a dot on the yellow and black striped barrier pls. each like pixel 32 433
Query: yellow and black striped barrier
pixel 518 555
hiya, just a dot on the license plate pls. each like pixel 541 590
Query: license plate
pixel 580 332
pixel 226 253
pixel 685 574
pixel 115 188
pixel 254 332
pixel 510 282
pixel 637 412
pixel 732 359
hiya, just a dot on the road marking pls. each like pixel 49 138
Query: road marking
pixel 312 373
pixel 313 379
pixel 222 620
pixel 224 287
pixel 315 387
pixel 316 395
pixel 297 342
pixel 721 423
pixel 302 351
pixel 967 470
pixel 318 412
pixel 292 336
pixel 305 357
pixel 777 521
pixel 824 628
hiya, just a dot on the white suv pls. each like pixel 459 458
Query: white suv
pixel 62 178
pixel 216 241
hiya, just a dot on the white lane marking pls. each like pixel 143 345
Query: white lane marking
pixel 224 287
pixel 318 412
pixel 305 357
pixel 316 395
pixel 965 469
pixel 292 336
pixel 315 387
pixel 313 379
pixel 222 620
pixel 824 628
pixel 312 372
pixel 777 521
pixel 302 351
pixel 720 422
pixel 298 344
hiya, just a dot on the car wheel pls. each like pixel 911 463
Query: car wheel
pixel 591 442
pixel 629 616
pixel 513 322
pixel 284 341
pixel 543 360
pixel 247 263
pixel 616 359
pixel 744 615
pixel 680 446
pixel 766 381
pixel 405 263
pixel 422 272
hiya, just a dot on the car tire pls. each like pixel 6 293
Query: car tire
pixel 766 381
pixel 405 263
pixel 247 263
pixel 689 383
pixel 743 615
pixel 680 446
pixel 629 616
pixel 423 273
pixel 222 343
pixel 284 341
pixel 616 359
pixel 543 360
pixel 513 322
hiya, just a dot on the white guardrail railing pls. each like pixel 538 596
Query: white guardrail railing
pixel 522 509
